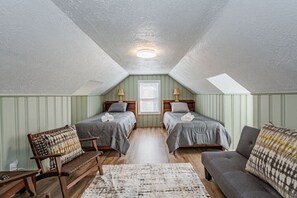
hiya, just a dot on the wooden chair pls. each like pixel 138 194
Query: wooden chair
pixel 63 171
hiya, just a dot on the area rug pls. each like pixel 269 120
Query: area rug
pixel 147 180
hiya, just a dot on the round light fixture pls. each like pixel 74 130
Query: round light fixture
pixel 146 53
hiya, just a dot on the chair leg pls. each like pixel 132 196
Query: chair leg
pixel 99 166
pixel 207 174
pixel 63 185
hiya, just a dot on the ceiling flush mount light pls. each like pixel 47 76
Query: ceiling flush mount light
pixel 146 53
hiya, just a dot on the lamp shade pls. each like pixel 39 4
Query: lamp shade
pixel 121 92
pixel 176 91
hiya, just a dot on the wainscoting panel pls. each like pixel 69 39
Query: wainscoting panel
pixel 252 110
pixel 234 111
pixel 280 109
pixel 210 106
pixel 83 107
pixel 79 108
pixel 130 86
pixel 95 105
pixel 23 114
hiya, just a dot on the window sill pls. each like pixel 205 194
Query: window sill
pixel 149 113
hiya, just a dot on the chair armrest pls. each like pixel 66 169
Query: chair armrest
pixel 22 175
pixel 88 139
pixel 41 157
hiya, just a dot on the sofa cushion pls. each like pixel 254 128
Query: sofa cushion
pixel 242 184
pixel 65 141
pixel 218 163
pixel 274 159
pixel 247 141
pixel 228 170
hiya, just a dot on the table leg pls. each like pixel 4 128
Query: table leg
pixel 30 186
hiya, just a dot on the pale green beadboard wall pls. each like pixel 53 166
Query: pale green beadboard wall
pixel 280 109
pixel 83 107
pixel 22 114
pixel 130 86
pixel 235 111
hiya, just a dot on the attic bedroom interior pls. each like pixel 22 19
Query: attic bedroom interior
pixel 139 98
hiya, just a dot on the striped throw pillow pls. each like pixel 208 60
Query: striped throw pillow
pixel 274 159
pixel 66 142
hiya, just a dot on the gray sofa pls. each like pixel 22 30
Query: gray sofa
pixel 228 170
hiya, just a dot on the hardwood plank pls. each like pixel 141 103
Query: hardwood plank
pixel 147 145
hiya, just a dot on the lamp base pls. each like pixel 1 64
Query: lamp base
pixel 120 99
pixel 176 98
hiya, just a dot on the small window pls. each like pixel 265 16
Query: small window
pixel 149 96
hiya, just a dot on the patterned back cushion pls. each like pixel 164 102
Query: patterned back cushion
pixel 65 141
pixel 274 159
pixel 39 145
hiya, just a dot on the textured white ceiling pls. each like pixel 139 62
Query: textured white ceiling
pixel 43 52
pixel 254 42
pixel 86 47
pixel 171 27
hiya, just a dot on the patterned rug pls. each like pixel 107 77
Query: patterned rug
pixel 147 180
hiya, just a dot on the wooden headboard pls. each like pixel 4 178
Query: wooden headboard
pixel 166 106
pixel 131 106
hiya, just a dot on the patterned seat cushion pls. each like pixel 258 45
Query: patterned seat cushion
pixel 65 141
pixel 274 159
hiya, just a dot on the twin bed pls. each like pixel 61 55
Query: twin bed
pixel 200 132
pixel 112 134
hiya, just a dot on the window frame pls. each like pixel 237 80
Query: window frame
pixel 158 97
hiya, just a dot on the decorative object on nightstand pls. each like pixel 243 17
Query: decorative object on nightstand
pixel 121 94
pixel 13 181
pixel 176 93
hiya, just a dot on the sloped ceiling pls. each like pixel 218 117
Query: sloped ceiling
pixel 87 47
pixel 171 27
pixel 43 52
pixel 254 42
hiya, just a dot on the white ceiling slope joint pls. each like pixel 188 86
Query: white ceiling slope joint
pixel 121 28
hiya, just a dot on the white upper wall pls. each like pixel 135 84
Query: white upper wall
pixel 43 52
pixel 254 42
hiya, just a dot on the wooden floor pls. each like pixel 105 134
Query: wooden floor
pixel 147 145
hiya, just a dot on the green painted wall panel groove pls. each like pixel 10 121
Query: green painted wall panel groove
pixel 252 110
pixel 20 115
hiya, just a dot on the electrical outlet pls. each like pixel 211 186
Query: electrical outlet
pixel 14 165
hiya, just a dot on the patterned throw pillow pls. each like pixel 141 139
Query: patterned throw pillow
pixel 40 146
pixel 274 159
pixel 66 142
